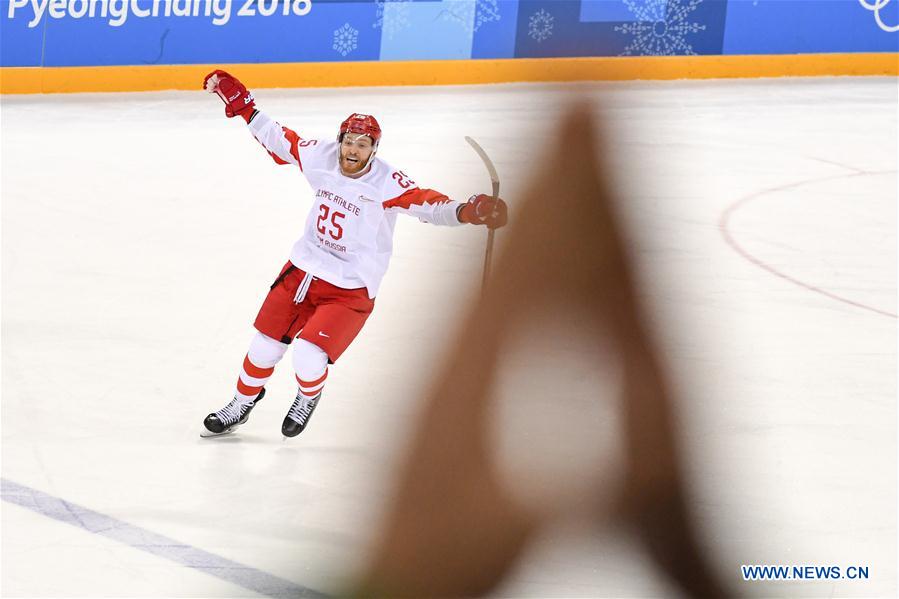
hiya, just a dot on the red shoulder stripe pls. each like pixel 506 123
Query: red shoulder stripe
pixel 416 197
pixel 294 139
pixel 276 158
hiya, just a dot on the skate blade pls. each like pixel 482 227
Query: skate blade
pixel 206 434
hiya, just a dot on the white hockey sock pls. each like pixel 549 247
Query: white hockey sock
pixel 258 366
pixel 310 362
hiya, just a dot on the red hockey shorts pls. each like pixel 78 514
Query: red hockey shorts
pixel 328 316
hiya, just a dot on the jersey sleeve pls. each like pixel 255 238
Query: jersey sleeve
pixel 426 205
pixel 281 143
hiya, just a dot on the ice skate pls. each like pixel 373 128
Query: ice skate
pixel 299 414
pixel 230 417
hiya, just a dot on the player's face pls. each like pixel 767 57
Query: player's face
pixel 355 150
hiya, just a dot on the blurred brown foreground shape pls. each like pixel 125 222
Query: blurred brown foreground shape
pixel 454 529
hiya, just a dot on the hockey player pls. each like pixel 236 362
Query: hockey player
pixel 323 295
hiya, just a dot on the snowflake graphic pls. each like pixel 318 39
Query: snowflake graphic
pixel 471 15
pixel 540 25
pixel 661 27
pixel 345 39
pixel 399 16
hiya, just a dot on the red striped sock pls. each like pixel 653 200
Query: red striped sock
pixel 310 389
pixel 251 380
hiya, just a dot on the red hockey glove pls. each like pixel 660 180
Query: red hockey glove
pixel 232 92
pixel 484 210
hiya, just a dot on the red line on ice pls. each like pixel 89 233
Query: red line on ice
pixel 724 227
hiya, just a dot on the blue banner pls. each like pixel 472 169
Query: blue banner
pixel 139 32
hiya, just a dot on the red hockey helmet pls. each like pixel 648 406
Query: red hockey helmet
pixel 363 124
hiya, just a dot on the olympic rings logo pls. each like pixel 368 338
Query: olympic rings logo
pixel 875 6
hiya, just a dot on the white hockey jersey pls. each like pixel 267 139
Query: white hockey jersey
pixel 348 238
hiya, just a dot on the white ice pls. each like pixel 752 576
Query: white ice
pixel 140 233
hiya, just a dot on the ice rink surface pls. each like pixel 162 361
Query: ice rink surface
pixel 140 232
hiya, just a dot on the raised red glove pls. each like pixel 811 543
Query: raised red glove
pixel 238 101
pixel 484 210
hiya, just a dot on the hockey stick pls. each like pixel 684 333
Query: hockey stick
pixel 494 180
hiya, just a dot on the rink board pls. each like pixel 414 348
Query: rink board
pixel 27 80
pixel 141 45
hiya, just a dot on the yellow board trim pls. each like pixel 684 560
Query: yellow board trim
pixel 32 80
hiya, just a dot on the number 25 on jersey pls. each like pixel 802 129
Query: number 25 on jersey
pixel 333 228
